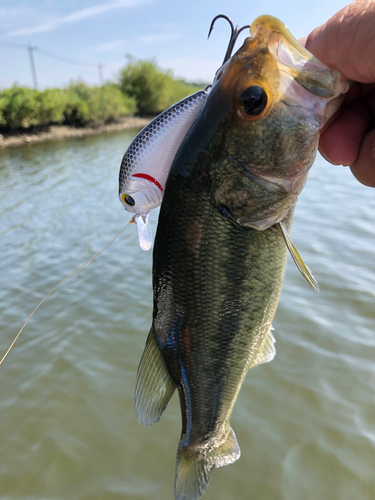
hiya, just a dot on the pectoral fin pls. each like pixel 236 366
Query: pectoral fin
pixel 302 267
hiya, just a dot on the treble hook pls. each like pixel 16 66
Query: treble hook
pixel 235 31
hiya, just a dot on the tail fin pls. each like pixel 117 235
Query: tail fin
pixel 192 471
pixel 154 387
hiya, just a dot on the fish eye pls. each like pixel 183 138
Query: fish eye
pixel 126 198
pixel 254 100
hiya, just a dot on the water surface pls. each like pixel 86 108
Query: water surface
pixel 305 422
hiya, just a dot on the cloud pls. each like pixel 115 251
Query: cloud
pixel 77 16
pixel 119 45
pixel 13 17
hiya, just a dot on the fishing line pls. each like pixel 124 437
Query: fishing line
pixel 62 281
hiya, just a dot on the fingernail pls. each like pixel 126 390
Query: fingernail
pixel 329 159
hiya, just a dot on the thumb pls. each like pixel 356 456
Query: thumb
pixel 346 41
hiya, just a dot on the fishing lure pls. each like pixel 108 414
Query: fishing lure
pixel 146 163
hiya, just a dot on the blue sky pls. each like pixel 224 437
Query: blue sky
pixel 104 31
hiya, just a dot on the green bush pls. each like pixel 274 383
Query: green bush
pixel 77 104
pixel 108 103
pixel 51 105
pixel 76 111
pixel 19 107
pixel 2 107
pixel 96 104
pixel 153 89
pixel 143 87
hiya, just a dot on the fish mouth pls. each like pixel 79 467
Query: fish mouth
pixel 294 59
pixel 294 62
pixel 274 24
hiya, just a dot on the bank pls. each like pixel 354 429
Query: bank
pixel 57 132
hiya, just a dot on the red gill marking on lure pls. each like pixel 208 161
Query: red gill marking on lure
pixel 151 179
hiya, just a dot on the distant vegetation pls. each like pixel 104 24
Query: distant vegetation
pixel 153 89
pixel 143 88
pixel 79 104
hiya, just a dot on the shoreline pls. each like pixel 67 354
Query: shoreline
pixel 57 132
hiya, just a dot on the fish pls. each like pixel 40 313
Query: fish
pixel 222 239
pixel 146 163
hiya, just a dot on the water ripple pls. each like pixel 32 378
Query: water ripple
pixel 305 422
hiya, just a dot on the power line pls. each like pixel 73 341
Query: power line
pixel 65 59
pixel 47 53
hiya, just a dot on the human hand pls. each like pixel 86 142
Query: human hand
pixel 347 42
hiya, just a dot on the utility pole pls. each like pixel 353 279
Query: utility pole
pixel 33 72
pixel 100 71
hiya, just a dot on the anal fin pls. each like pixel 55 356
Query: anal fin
pixel 154 387
pixel 266 351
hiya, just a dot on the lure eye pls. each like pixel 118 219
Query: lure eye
pixel 254 100
pixel 126 198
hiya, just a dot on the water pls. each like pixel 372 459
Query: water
pixel 305 422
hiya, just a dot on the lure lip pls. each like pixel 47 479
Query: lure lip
pixel 144 231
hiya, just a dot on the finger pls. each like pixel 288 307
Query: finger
pixel 340 142
pixel 364 167
pixel 346 41
pixel 354 93
pixel 330 121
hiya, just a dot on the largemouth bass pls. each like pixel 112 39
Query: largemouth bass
pixel 221 244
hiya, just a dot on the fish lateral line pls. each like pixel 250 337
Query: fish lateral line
pixel 62 281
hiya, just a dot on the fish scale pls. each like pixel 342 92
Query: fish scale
pixel 218 263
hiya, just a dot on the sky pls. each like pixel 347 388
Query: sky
pixel 92 32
